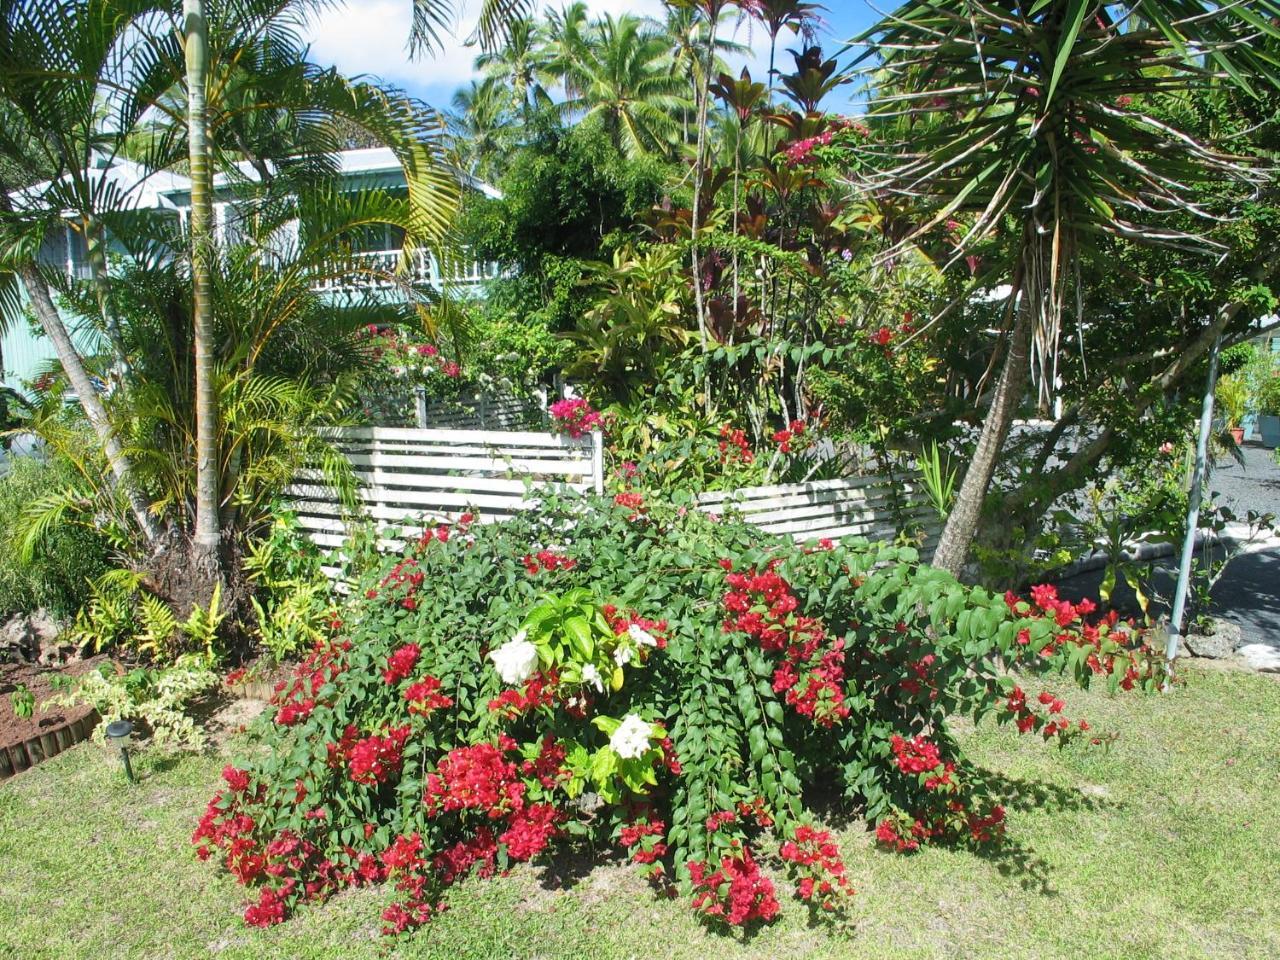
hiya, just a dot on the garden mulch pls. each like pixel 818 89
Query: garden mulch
pixel 15 729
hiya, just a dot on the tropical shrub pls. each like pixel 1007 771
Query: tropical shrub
pixel 639 673
pixel 53 572
pixel 292 602
pixel 158 699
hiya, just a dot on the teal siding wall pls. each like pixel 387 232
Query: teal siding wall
pixel 28 353
pixel 25 355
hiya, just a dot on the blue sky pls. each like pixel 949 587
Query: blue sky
pixel 368 37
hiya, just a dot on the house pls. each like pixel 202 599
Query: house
pixel 25 352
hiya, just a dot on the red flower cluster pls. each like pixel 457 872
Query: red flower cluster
pixel 888 834
pixel 538 691
pixel 403 860
pixel 481 781
pixel 575 417
pixel 763 606
pixel 478 777
pixel 919 756
pixel 799 151
pixel 783 438
pixel 1051 725
pixel 425 698
pixel 531 829
pixel 373 759
pixel 547 560
pixel 270 908
pixel 623 622
pixel 915 756
pixel 400 663
pixel 737 892
pixel 814 859
pixel 633 501
pixel 1113 647
pixel 644 843
pixel 299 695
pixel 401 584
pixel 295 712
pixel 734 447
pixel 922 679
pixel 548 767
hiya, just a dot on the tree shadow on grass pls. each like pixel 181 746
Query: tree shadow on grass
pixel 569 865
pixel 1017 793
pixel 1011 857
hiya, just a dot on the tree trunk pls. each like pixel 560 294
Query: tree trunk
pixel 704 94
pixel 206 538
pixel 96 245
pixel 962 523
pixel 56 331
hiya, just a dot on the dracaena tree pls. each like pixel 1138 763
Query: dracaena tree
pixel 1031 122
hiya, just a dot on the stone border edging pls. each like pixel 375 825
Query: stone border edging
pixel 26 754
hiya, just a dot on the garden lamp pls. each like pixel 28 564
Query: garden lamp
pixel 118 732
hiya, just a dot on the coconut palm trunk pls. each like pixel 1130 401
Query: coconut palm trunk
pixel 121 468
pixel 704 95
pixel 207 532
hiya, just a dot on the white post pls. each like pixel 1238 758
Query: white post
pixel 597 460
pixel 420 406
pixel 1193 510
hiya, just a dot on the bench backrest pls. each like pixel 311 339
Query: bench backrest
pixel 873 507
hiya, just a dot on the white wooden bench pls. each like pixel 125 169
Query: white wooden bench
pixel 412 479
pixel 874 507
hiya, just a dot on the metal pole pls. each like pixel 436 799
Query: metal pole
pixel 128 767
pixel 1193 510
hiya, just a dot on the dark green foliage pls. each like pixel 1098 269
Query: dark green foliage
pixel 63 560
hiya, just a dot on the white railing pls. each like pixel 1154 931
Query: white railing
pixel 391 269
pixel 876 507
pixel 411 479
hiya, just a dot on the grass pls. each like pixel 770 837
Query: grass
pixel 1165 845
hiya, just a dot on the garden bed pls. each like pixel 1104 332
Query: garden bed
pixel 26 741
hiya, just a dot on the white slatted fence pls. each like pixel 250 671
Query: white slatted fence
pixel 412 479
pixel 875 507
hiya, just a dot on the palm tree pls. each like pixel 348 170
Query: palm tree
pixel 779 15
pixel 1043 124
pixel 480 126
pixel 61 62
pixel 566 40
pixel 622 81
pixel 686 33
pixel 206 535
pixel 521 66
pixel 433 20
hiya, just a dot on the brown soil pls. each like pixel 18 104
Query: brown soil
pixel 15 730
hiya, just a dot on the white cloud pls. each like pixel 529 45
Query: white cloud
pixel 371 37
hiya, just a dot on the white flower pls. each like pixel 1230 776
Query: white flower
pixel 623 655
pixel 631 739
pixel 641 636
pixel 515 660
pixel 591 675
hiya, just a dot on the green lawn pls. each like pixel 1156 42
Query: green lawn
pixel 1167 845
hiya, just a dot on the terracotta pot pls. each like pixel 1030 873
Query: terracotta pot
pixel 1237 434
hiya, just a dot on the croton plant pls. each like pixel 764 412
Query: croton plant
pixel 648 676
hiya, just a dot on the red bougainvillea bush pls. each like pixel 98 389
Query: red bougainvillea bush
pixel 642 676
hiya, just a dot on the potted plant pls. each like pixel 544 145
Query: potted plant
pixel 1232 395
pixel 1269 411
